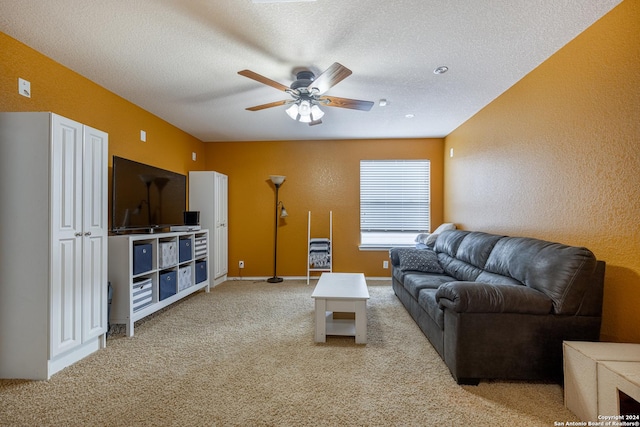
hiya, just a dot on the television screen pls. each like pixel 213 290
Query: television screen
pixel 146 197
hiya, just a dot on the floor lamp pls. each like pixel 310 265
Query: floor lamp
pixel 277 181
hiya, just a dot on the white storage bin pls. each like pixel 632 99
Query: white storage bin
pixel 200 246
pixel 142 293
pixel 184 278
pixel 168 254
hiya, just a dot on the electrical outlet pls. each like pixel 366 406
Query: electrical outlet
pixel 385 264
pixel 241 264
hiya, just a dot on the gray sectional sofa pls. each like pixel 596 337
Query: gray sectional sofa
pixel 499 307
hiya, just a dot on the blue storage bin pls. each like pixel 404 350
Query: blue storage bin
pixel 168 284
pixel 142 258
pixel 201 271
pixel 184 250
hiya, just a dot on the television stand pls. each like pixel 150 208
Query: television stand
pixel 151 271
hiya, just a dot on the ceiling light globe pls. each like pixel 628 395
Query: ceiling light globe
pixel 293 111
pixel 316 112
pixel 305 109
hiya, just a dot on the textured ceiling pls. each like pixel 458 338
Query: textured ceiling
pixel 179 59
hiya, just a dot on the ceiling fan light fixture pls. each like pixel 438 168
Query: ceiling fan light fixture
pixel 304 112
pixel 292 111
pixel 307 92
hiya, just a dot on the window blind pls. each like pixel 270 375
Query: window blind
pixel 394 195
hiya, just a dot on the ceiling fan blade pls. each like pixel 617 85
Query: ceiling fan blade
pixel 354 104
pixel 269 105
pixel 315 122
pixel 330 77
pixel 264 80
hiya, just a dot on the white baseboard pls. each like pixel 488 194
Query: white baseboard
pixel 264 278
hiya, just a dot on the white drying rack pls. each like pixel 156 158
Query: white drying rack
pixel 320 250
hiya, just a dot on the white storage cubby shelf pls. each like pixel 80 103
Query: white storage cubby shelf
pixel 320 256
pixel 151 271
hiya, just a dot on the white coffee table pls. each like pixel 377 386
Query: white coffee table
pixel 341 293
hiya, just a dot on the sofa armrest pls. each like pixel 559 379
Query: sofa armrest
pixel 394 256
pixel 475 297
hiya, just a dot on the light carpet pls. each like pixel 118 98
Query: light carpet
pixel 244 355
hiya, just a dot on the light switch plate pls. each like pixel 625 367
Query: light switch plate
pixel 24 87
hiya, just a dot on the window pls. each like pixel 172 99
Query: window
pixel 394 201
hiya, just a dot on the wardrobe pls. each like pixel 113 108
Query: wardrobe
pixel 53 250
pixel 208 194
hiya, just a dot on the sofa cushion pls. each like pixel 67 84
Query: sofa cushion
pixel 424 260
pixel 459 269
pixel 476 247
pixel 449 241
pixel 415 282
pixel 463 254
pixel 561 272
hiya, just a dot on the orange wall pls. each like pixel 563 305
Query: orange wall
pixel 322 176
pixel 558 157
pixel 56 88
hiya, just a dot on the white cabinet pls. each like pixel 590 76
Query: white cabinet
pixel 208 193
pixel 151 271
pixel 53 253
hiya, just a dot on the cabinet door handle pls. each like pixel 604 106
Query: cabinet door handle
pixel 88 233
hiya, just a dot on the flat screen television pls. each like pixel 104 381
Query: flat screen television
pixel 146 197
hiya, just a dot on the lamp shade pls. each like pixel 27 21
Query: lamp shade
pixel 283 212
pixel 304 109
pixel 277 179
pixel 292 111
pixel 316 112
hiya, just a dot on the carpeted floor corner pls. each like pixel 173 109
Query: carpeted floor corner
pixel 244 355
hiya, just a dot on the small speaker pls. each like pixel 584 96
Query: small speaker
pixel 192 218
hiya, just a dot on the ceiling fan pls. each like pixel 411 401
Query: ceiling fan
pixel 307 93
